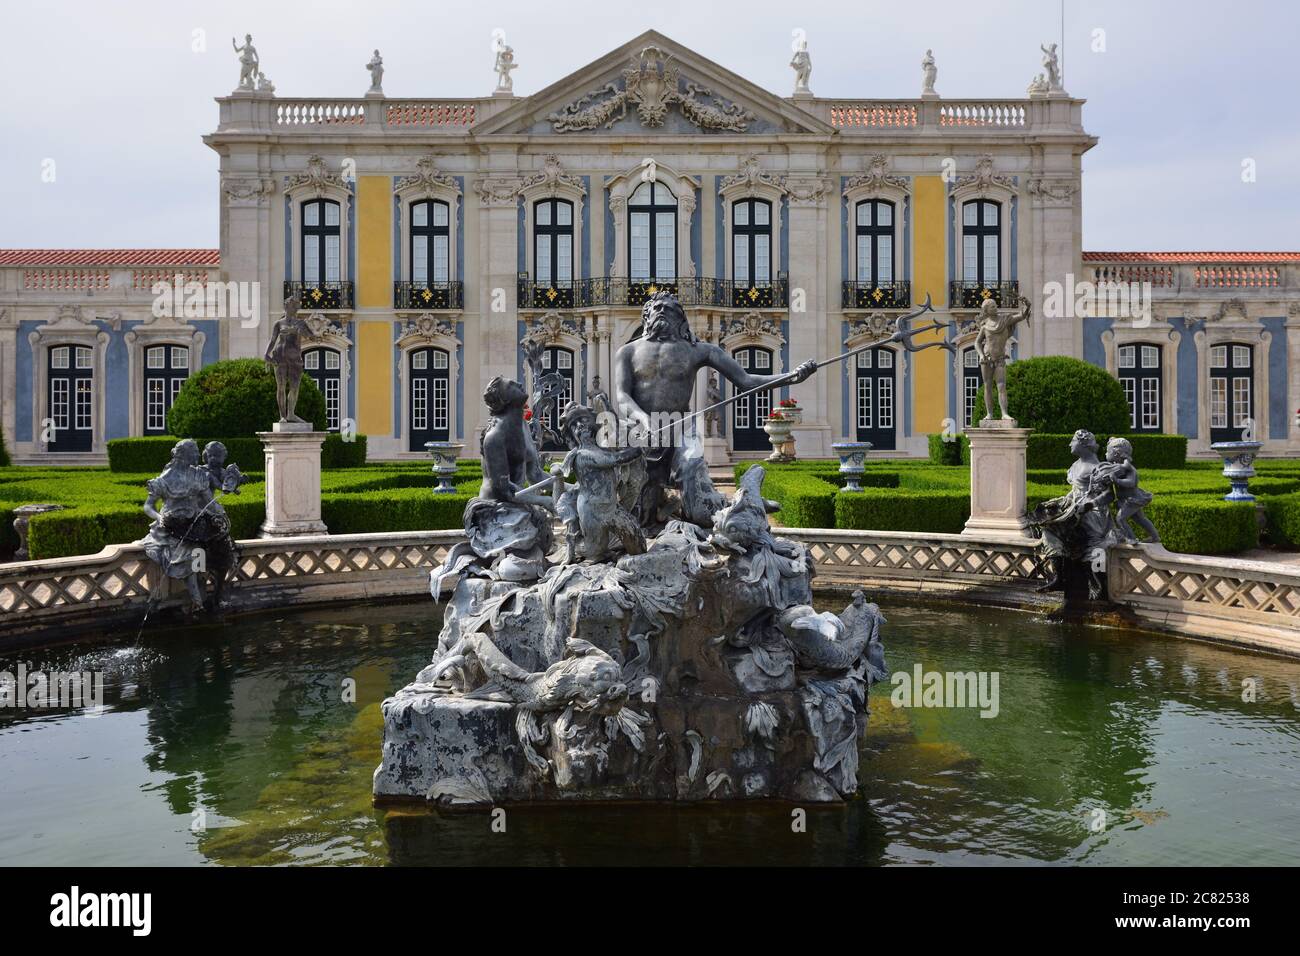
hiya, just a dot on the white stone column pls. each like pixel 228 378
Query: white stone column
pixel 997 482
pixel 808 277
pixel 292 481
pixel 498 335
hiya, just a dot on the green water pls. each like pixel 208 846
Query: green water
pixel 233 745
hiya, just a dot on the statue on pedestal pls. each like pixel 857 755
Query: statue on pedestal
pixel 992 339
pixel 802 66
pixel 284 357
pixel 190 537
pixel 249 65
pixel 1052 64
pixel 376 68
pixel 505 63
pixel 929 74
pixel 598 397
pixel 712 417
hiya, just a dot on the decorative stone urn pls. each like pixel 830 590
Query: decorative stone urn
pixel 22 518
pixel 853 462
pixel 444 455
pixel 792 413
pixel 778 433
pixel 1238 466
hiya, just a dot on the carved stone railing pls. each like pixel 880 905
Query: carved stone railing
pixel 262 113
pixel 100 283
pixel 1242 602
pixel 1260 278
pixel 941 116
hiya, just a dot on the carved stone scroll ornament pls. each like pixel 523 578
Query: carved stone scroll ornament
pixel 751 174
pixel 551 175
pixel 876 176
pixel 318 178
pixel 1055 191
pixel 984 177
pixel 652 84
pixel 427 178
pixel 498 192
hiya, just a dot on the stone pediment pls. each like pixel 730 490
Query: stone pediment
pixel 652 85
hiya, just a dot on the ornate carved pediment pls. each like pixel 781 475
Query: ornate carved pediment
pixel 1054 191
pixel 549 328
pixel 318 179
pixel 74 318
pixel 652 84
pixel 1234 306
pixel 751 174
pixel 552 175
pixel 984 177
pixel 876 176
pixel 426 328
pixel 427 179
pixel 751 326
pixel 321 326
pixel 877 325
pixel 498 192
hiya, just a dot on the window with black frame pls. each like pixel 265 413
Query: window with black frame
pixel 875 243
pixel 166 367
pixel 652 232
pixel 751 239
pixel 1138 369
pixel 553 249
pixel 430 244
pixel 322 242
pixel 981 243
pixel 1232 400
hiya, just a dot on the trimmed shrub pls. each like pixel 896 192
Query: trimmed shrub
pixel 4 452
pixel 337 453
pixel 150 455
pixel 1057 395
pixel 943 512
pixel 1196 526
pixel 396 509
pixel 59 534
pixel 806 502
pixel 947 449
pixel 236 398
pixel 1283 519
pixel 1149 451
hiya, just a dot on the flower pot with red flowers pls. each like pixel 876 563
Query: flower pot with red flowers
pixel 778 433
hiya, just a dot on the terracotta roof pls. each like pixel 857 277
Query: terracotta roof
pixel 1191 257
pixel 110 257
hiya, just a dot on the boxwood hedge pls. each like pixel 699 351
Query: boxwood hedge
pixel 135 455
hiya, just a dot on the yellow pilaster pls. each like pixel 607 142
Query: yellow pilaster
pixel 375 376
pixel 374 242
pixel 930 378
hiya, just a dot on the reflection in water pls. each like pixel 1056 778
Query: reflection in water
pixel 241 744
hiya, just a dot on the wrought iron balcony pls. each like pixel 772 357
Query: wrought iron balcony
pixel 971 295
pixel 633 293
pixel 429 296
pixel 869 295
pixel 321 295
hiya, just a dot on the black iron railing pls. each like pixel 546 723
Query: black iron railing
pixel 971 295
pixel 321 295
pixel 429 296
pixel 868 295
pixel 633 293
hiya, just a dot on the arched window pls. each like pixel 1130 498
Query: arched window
pixel 875 397
pixel 321 242
pixel 72 397
pixel 875 242
pixel 553 242
pixel 751 237
pixel 324 365
pixel 430 243
pixel 1232 400
pixel 652 228
pixel 430 396
pixel 165 369
pixel 981 242
pixel 1138 368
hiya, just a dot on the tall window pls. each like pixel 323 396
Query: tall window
pixel 875 236
pixel 556 358
pixel 321 241
pixel 1138 367
pixel 1232 375
pixel 652 229
pixel 430 239
pixel 324 365
pixel 875 397
pixel 981 242
pixel 553 242
pixel 429 397
pixel 165 369
pixel 751 237
pixel 71 371
pixel 970 384
pixel 749 414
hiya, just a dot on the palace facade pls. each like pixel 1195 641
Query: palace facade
pixel 429 238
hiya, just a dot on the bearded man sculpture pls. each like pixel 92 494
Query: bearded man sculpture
pixel 654 381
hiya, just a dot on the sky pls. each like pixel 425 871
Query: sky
pixel 1194 102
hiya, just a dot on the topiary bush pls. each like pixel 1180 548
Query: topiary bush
pixel 235 398
pixel 1057 395
pixel 806 501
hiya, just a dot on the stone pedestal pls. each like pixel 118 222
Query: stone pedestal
pixel 715 451
pixel 292 480
pixel 997 480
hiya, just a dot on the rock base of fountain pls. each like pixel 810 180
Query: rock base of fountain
pixel 694 671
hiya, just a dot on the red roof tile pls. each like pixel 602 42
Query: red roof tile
pixel 1191 257
pixel 110 257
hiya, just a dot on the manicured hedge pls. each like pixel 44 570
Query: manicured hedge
pixel 948 449
pixel 1149 451
pixel 396 509
pixel 806 502
pixel 903 510
pixel 4 452
pixel 1282 513
pixel 236 397
pixel 152 453
pixel 1194 525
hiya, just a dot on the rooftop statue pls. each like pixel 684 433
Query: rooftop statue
pixel 376 68
pixel 1052 64
pixel 284 356
pixel 802 66
pixel 654 382
pixel 929 74
pixel 505 63
pixel 190 536
pixel 249 65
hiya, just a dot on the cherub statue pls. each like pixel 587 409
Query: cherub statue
pixel 592 511
pixel 505 62
pixel 376 68
pixel 264 84
pixel 802 66
pixel 1119 470
pixel 248 62
pixel 284 356
pixel 992 338
pixel 929 73
pixel 1052 64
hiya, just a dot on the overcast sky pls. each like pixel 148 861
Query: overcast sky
pixel 1183 93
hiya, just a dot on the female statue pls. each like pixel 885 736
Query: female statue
pixel 284 356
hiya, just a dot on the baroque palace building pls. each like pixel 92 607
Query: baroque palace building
pixel 429 238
